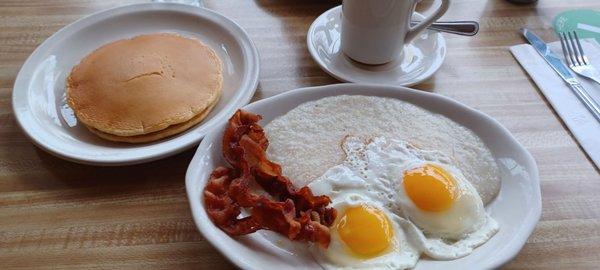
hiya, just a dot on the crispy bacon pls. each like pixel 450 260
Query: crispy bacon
pixel 295 213
pixel 220 206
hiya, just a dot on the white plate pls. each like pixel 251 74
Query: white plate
pixel 419 59
pixel 39 91
pixel 517 208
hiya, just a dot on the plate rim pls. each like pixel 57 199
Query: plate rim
pixel 341 77
pixel 533 215
pixel 247 89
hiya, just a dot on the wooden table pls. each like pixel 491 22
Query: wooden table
pixel 58 214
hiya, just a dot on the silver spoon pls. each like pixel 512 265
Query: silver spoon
pixel 463 28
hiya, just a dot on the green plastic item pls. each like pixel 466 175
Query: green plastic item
pixel 585 22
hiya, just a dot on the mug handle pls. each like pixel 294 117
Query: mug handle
pixel 413 31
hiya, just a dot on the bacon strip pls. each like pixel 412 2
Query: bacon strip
pixel 222 209
pixel 295 213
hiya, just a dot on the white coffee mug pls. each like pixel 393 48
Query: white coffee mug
pixel 375 31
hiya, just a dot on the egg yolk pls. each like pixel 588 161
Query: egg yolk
pixel 365 230
pixel 430 188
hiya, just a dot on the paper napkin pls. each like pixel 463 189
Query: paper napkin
pixel 573 112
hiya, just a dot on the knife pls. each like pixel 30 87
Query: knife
pixel 563 71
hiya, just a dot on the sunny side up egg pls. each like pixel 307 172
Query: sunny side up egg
pixel 366 236
pixel 444 215
pixel 438 210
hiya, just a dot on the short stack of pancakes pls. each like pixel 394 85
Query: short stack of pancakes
pixel 145 88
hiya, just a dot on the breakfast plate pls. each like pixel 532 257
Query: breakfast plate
pixel 39 99
pixel 516 208
pixel 419 60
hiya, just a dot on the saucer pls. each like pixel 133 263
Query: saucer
pixel 419 59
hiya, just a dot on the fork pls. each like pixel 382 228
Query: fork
pixel 576 58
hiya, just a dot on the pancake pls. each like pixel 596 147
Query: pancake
pixel 146 84
pixel 306 140
pixel 158 135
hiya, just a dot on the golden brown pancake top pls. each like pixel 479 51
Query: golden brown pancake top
pixel 145 84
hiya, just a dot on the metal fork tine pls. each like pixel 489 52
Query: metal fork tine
pixel 581 53
pixel 569 50
pixel 563 45
pixel 576 59
pixel 574 48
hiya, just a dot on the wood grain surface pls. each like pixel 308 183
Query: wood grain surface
pixel 60 215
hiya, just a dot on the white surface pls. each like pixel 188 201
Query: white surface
pixel 39 91
pixel 517 208
pixel 375 31
pixel 197 3
pixel 571 110
pixel 420 58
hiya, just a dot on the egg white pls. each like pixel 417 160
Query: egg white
pixel 443 249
